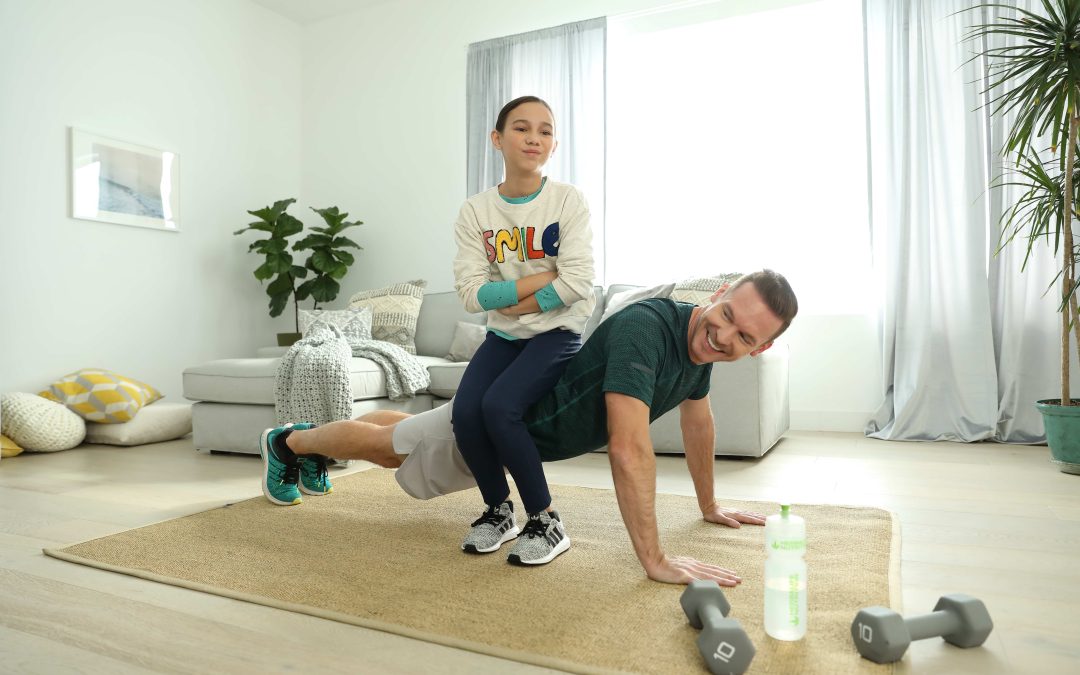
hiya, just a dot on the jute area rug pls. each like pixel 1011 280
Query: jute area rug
pixel 370 555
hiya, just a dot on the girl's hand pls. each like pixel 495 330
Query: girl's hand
pixel 524 306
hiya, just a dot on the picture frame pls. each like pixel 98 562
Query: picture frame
pixel 114 181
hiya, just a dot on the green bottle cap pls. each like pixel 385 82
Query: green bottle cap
pixel 784 508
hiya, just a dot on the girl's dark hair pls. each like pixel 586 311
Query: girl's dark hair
pixel 500 123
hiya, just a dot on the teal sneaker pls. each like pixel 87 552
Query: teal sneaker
pixel 279 475
pixel 313 477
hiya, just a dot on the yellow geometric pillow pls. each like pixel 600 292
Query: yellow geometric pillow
pixel 8 447
pixel 101 396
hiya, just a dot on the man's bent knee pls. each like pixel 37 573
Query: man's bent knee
pixel 383 418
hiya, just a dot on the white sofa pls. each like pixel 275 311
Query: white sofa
pixel 234 398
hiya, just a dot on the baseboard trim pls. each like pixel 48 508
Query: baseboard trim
pixel 829 420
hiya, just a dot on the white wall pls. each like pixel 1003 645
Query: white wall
pixel 384 138
pixel 217 81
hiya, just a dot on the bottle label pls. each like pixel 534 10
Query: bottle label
pixel 793 599
pixel 789 544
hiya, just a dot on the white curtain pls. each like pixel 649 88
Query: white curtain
pixel 969 343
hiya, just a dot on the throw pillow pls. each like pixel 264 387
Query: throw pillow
pixel 355 324
pixel 8 447
pixel 101 396
pixel 155 423
pixel 620 300
pixel 700 291
pixel 467 339
pixel 39 425
pixel 394 310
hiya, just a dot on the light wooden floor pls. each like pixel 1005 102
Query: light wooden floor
pixel 996 521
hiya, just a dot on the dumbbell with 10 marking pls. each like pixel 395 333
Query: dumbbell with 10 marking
pixel 723 642
pixel 883 636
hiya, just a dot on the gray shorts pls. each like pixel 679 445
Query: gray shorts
pixel 434 465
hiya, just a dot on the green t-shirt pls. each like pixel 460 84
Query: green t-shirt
pixel 641 351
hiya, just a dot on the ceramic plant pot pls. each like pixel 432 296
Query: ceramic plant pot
pixel 1062 433
pixel 287 339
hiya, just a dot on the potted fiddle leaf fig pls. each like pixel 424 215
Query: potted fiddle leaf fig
pixel 328 261
pixel 1035 85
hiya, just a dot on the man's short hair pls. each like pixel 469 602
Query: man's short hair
pixel 777 294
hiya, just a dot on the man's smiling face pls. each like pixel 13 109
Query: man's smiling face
pixel 734 325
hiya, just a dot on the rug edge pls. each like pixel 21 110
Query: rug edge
pixel 385 627
pixel 896 590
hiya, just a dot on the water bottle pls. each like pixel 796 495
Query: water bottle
pixel 785 575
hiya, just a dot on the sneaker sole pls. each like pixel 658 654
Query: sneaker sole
pixel 562 546
pixel 309 491
pixel 512 533
pixel 264 452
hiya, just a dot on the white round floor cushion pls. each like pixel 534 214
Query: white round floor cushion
pixel 38 424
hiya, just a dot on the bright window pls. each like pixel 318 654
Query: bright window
pixel 736 140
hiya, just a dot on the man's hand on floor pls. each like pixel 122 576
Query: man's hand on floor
pixel 732 518
pixel 683 570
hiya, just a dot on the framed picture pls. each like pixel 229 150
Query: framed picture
pixel 114 181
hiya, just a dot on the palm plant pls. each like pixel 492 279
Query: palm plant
pixel 1035 79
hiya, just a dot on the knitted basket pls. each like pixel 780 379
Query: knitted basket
pixel 39 425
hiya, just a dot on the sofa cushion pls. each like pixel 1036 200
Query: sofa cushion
pixel 700 291
pixel 8 447
pixel 156 422
pixel 254 380
pixel 355 324
pixel 439 314
pixel 394 311
pixel 617 301
pixel 445 377
pixel 467 339
pixel 37 424
pixel 100 395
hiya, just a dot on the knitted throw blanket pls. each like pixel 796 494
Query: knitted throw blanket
pixel 313 376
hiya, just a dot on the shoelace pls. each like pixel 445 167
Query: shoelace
pixel 320 469
pixel 491 517
pixel 290 475
pixel 534 528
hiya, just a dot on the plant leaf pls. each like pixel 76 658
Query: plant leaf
pixel 324 289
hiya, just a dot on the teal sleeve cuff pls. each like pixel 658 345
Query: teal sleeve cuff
pixel 548 299
pixel 497 294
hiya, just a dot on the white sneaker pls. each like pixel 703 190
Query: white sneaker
pixel 542 539
pixel 491 530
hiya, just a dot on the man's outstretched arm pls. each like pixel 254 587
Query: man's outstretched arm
pixel 633 468
pixel 699 438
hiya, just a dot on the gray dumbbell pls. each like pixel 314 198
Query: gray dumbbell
pixel 883 636
pixel 723 642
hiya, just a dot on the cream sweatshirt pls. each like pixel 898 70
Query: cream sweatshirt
pixel 499 241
